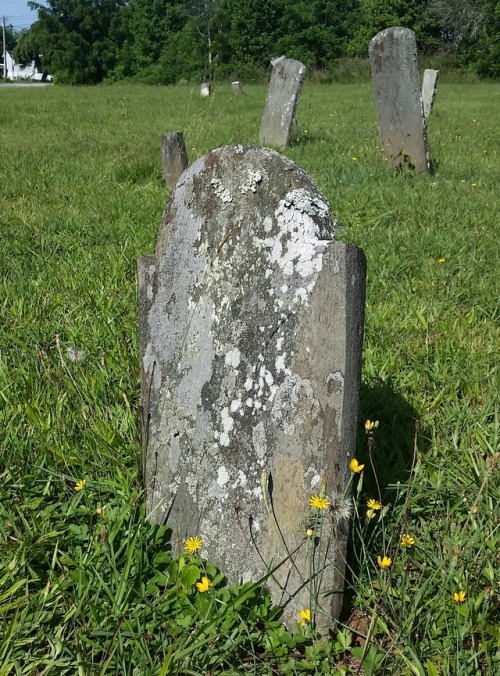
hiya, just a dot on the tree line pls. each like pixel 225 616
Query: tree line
pixel 165 41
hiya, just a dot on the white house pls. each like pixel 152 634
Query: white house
pixel 17 72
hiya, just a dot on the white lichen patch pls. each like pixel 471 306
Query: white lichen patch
pixel 222 476
pixel 235 405
pixel 233 358
pixel 254 178
pixel 280 363
pixel 241 480
pixel 227 426
pixel 222 193
pixel 315 481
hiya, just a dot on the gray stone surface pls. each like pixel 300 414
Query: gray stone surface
pixel 205 89
pixel 393 61
pixel 429 86
pixel 236 88
pixel 251 324
pixel 281 103
pixel 173 157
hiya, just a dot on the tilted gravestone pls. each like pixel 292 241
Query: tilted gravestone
pixel 429 86
pixel 174 157
pixel 393 61
pixel 205 89
pixel 251 323
pixel 281 103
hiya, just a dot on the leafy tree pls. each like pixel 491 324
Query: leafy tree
pixel 373 16
pixel 11 38
pixel 472 28
pixel 74 38
pixel 246 33
pixel 316 31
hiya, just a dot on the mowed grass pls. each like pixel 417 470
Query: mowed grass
pixel 81 198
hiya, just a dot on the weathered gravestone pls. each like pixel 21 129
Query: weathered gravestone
pixel 236 88
pixel 393 61
pixel 281 103
pixel 174 157
pixel 251 323
pixel 205 89
pixel 429 85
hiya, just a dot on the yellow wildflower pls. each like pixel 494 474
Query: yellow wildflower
pixel 460 596
pixel 370 513
pixel 310 532
pixel 354 159
pixel 204 585
pixel 80 485
pixel 305 616
pixel 407 540
pixel 384 561
pixel 373 504
pixel 191 545
pixel 441 260
pixel 319 502
pixel 371 425
pixel 355 467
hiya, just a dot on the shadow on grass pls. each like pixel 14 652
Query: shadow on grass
pixel 395 445
pixel 396 439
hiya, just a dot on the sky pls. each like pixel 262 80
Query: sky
pixel 17 13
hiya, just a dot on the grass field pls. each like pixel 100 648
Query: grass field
pixel 87 586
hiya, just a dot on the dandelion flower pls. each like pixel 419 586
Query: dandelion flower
pixel 407 540
pixel 310 532
pixel 354 159
pixel 384 561
pixel 370 513
pixel 80 485
pixel 319 502
pixel 460 596
pixel 305 616
pixel 371 425
pixel 373 504
pixel 192 545
pixel 441 260
pixel 355 467
pixel 204 585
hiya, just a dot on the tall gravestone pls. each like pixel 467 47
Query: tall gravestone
pixel 429 86
pixel 173 156
pixel 205 89
pixel 281 103
pixel 251 323
pixel 393 61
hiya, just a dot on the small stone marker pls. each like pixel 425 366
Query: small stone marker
pixel 236 88
pixel 429 85
pixel 251 324
pixel 281 103
pixel 174 157
pixel 205 89
pixel 393 61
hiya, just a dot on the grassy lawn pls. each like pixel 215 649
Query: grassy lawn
pixel 87 586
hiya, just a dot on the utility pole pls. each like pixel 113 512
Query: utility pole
pixel 4 52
